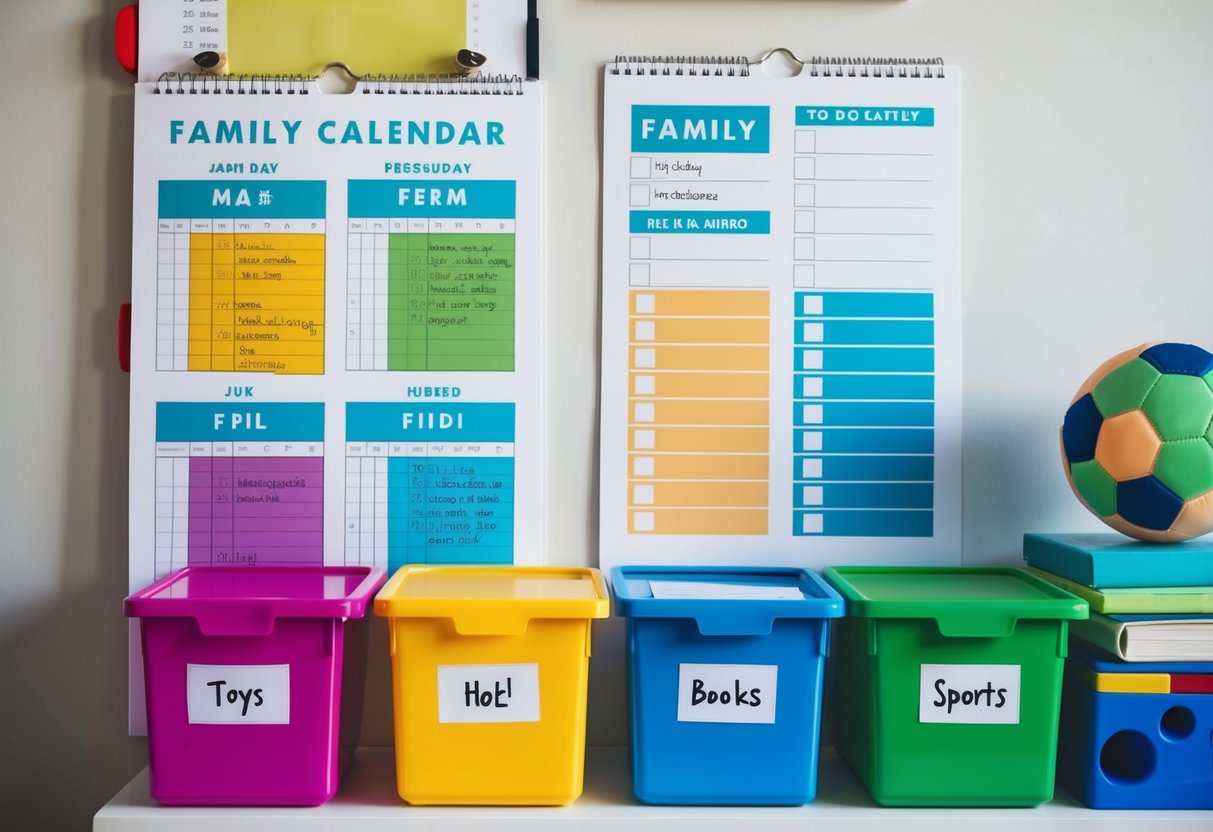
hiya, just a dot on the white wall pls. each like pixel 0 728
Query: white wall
pixel 1088 228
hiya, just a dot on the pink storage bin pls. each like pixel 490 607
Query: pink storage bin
pixel 254 680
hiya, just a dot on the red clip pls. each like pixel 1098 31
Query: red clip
pixel 126 37
pixel 124 337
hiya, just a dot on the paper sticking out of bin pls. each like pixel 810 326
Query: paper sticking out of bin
pixel 254 679
pixel 947 683
pixel 489 674
pixel 725 671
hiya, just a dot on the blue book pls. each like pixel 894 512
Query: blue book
pixel 1112 560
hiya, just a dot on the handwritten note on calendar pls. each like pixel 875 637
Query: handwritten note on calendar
pixel 781 319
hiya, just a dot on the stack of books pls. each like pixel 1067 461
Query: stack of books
pixel 1137 705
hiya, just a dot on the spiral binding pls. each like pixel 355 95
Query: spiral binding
pixel 203 83
pixel 875 67
pixel 814 67
pixel 700 65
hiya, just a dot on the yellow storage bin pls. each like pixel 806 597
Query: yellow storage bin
pixel 489 673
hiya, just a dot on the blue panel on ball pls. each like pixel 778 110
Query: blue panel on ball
pixel 1182 359
pixel 1148 503
pixel 1081 429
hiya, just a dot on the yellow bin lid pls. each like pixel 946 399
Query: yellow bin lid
pixel 493 600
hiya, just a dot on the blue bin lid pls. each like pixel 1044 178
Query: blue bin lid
pixel 724 600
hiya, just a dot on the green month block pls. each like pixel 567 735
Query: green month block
pixel 947 683
pixel 451 302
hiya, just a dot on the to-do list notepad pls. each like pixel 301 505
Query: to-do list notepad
pixel 781 314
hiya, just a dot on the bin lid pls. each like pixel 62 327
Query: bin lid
pixel 493 600
pixel 967 601
pixel 246 600
pixel 724 600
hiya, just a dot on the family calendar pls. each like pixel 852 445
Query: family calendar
pixel 781 314
pixel 338 314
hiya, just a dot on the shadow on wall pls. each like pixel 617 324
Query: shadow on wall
pixel 66 749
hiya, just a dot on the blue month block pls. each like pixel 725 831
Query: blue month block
pixel 1136 750
pixel 725 683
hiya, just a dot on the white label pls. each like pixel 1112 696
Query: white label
pixel 727 692
pixel 969 693
pixel 238 694
pixel 488 693
pixel 707 589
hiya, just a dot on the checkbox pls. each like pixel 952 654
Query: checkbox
pixel 811 360
pixel 645 330
pixel 642 495
pixel 813 495
pixel 813 414
pixel 640 247
pixel 804 248
pixel 644 358
pixel 640 195
pixel 642 167
pixel 805 196
pixel 644 411
pixel 642 466
pixel 806 222
pixel 805 274
pixel 810 441
pixel 811 305
pixel 811 469
pixel 811 387
pixel 804 167
pixel 645 304
pixel 644 440
pixel 806 141
pixel 644 385
pixel 812 333
pixel 639 274
pixel 642 521
pixel 811 524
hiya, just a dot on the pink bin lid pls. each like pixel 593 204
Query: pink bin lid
pixel 247 600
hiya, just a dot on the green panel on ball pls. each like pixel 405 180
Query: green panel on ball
pixel 1180 407
pixel 1126 387
pixel 1096 486
pixel 1185 467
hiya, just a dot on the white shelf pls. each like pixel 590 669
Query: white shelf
pixel 367 801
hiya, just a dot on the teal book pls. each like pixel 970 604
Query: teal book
pixel 1112 560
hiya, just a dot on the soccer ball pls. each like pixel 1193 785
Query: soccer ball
pixel 1137 442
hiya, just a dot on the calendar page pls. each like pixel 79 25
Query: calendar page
pixel 781 315
pixel 337 347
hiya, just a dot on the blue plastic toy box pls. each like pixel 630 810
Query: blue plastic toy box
pixel 725 668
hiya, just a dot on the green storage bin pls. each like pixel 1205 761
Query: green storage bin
pixel 947 683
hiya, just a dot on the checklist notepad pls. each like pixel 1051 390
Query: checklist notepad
pixel 781 313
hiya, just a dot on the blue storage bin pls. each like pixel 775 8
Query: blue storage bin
pixel 1135 750
pixel 725 692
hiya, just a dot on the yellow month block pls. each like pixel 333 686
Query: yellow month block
pixel 223 362
pixel 700 330
pixel 279 242
pixel 201 241
pixel 700 302
pixel 199 333
pixel 199 357
pixel 711 440
pixel 252 289
pixel 309 346
pixel 297 365
pixel 697 521
pixel 309 304
pixel 692 412
pixel 698 494
pixel 294 257
pixel 744 385
pixel 699 466
pixel 699 358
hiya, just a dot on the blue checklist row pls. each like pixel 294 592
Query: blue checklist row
pixel 876 387
pixel 864 414
pixel 865 441
pixel 864 495
pixel 866 359
pixel 866 333
pixel 863 468
pixel 864 523
pixel 866 305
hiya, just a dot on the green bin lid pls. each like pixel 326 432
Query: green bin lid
pixel 966 601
